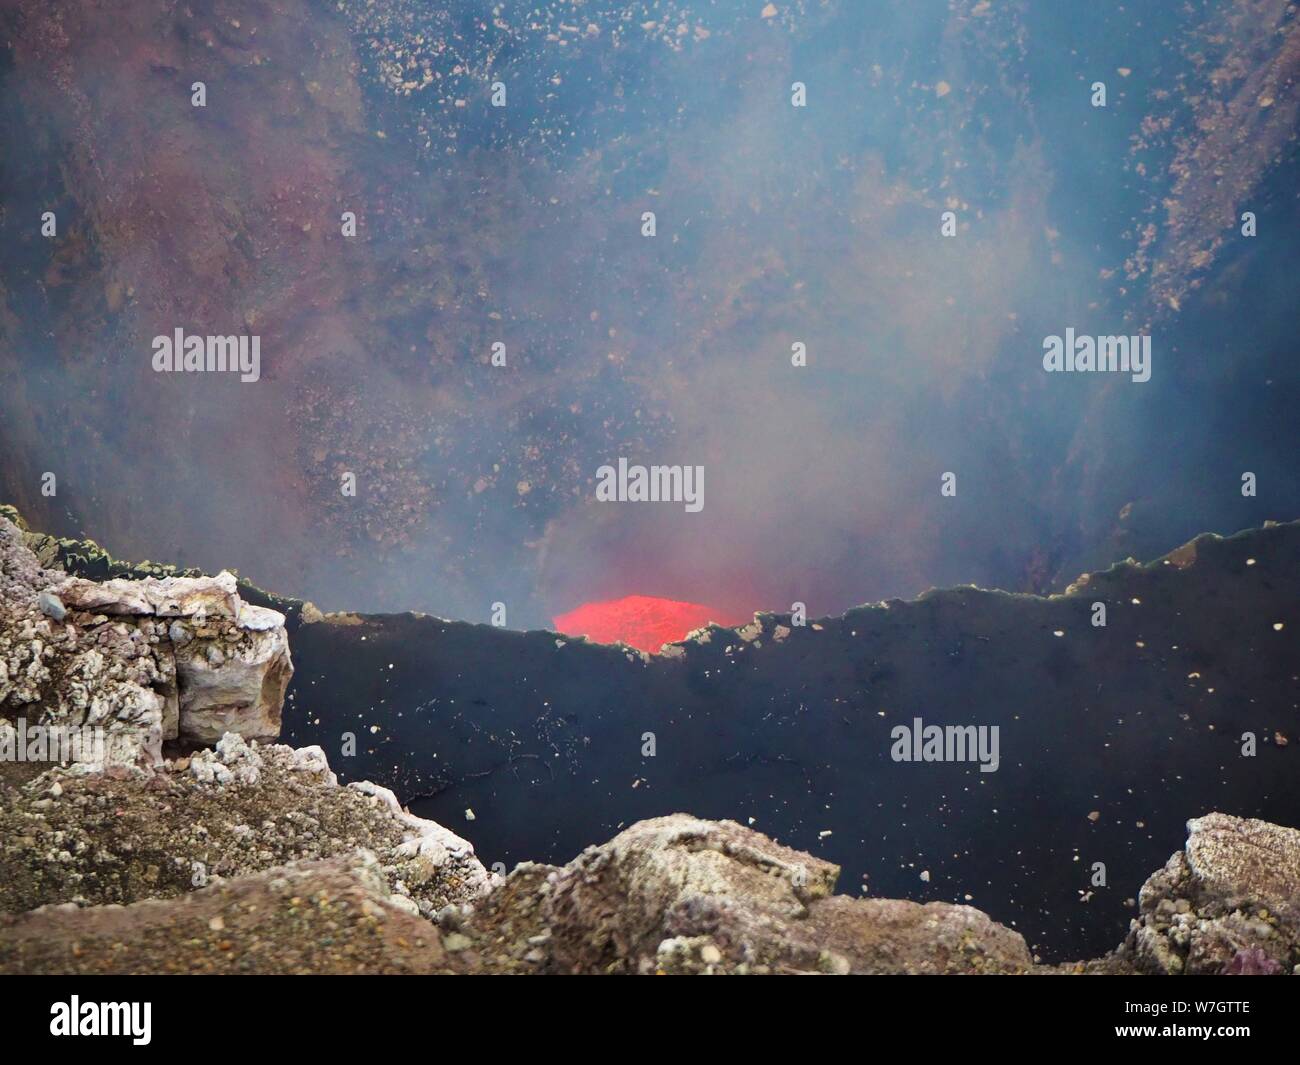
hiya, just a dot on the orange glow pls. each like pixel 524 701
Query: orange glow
pixel 641 621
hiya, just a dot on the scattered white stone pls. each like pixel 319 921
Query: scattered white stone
pixel 401 902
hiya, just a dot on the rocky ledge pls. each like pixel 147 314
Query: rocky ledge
pixel 249 857
pixel 146 662
pixel 671 895
pixel 1229 902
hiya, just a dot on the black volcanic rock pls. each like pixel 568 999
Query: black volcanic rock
pixel 1139 723
pixel 1109 737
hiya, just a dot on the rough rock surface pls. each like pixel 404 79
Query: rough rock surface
pixel 168 597
pixel 146 661
pixel 330 916
pixel 677 894
pixel 127 835
pixel 62 668
pixel 232 674
pixel 671 895
pixel 1228 902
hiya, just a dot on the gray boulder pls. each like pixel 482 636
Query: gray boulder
pixel 1229 902
pixel 677 894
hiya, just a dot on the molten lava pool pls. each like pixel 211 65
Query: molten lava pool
pixel 641 621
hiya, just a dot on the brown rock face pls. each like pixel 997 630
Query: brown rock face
pixel 332 916
pixel 229 813
pixel 670 895
pixel 677 894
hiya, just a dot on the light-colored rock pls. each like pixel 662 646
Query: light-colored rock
pixel 146 661
pixel 96 672
pixel 677 894
pixel 312 760
pixel 259 618
pixel 1229 901
pixel 403 903
pixel 51 606
pixel 232 679
pixel 230 761
pixel 166 597
pixel 429 850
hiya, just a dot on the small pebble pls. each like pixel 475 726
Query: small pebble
pixel 51 606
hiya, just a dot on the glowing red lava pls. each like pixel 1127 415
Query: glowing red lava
pixel 642 621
